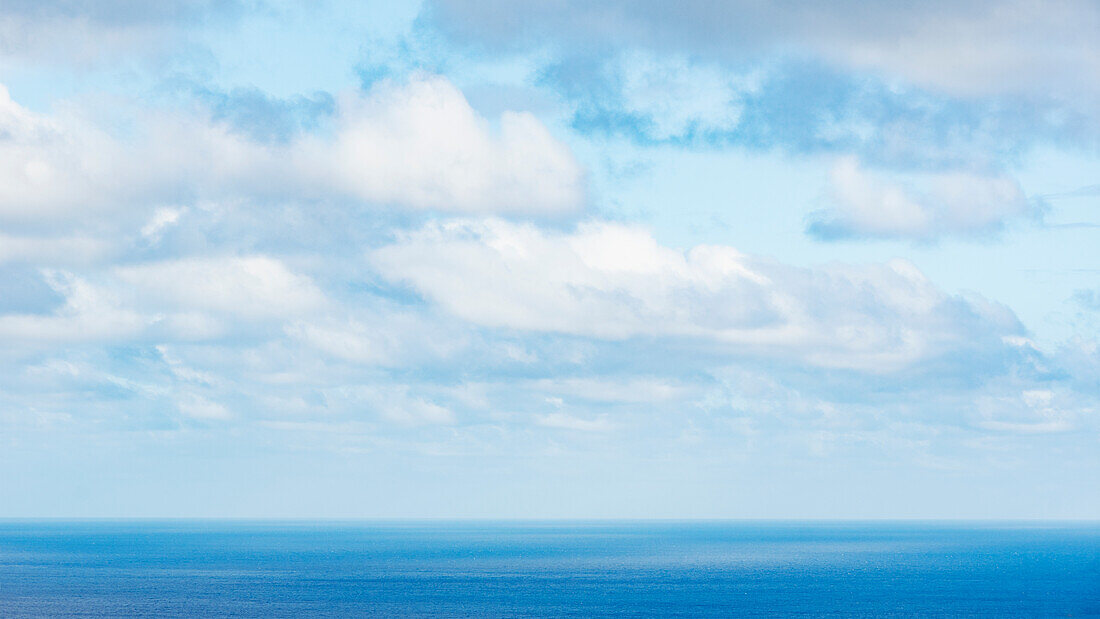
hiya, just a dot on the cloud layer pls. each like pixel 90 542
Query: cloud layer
pixel 921 86
pixel 981 48
pixel 480 258
pixel 614 282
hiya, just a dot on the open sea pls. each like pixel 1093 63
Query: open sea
pixel 551 569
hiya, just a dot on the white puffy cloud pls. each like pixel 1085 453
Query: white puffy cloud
pixel 615 282
pixel 89 313
pixel 64 169
pixel 188 299
pixel 422 145
pixel 44 165
pixel 416 144
pixel 864 205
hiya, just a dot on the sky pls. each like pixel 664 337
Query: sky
pixel 549 259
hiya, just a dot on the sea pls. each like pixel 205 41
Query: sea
pixel 548 569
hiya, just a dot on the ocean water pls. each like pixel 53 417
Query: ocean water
pixel 555 569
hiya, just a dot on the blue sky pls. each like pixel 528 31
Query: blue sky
pixel 549 259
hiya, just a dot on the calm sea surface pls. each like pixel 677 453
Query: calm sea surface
pixel 251 569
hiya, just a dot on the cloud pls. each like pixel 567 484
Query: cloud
pixel 804 107
pixel 85 32
pixel 89 313
pixel 1031 411
pixel 976 49
pixel 930 85
pixel 563 421
pixel 197 407
pixel 867 206
pixel 183 299
pixel 1089 299
pixel 663 98
pixel 253 287
pixel 265 118
pixel 415 144
pixel 387 336
pixel 52 250
pixel 422 145
pixel 68 169
pixel 615 282
pixel 162 219
pixel 394 403
pixel 635 390
pixel 118 12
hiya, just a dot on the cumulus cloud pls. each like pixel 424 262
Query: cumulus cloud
pixel 864 205
pixel 616 282
pixel 415 144
pixel 188 299
pixel 422 145
pixel 43 165
pixel 89 313
pixel 68 168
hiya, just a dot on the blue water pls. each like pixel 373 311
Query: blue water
pixel 241 569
